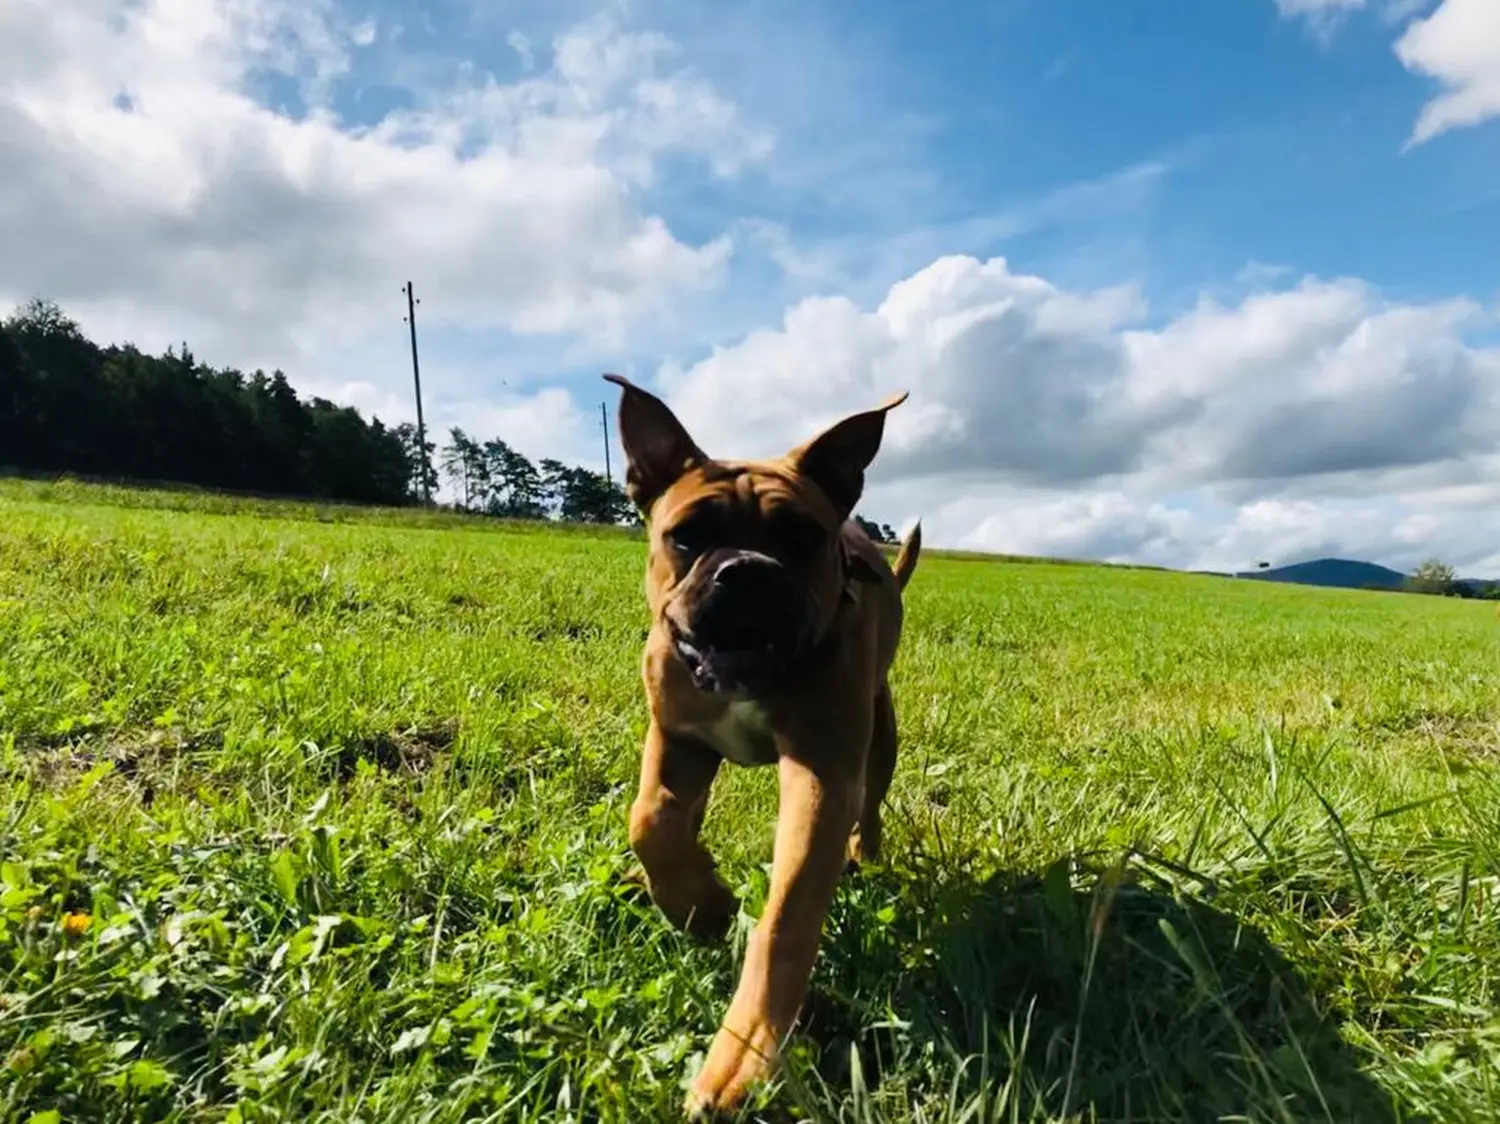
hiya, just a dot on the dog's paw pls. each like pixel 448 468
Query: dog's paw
pixel 704 910
pixel 710 917
pixel 737 1061
pixel 862 849
pixel 634 885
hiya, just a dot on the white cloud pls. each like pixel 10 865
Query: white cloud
pixel 1399 11
pixel 1118 526
pixel 945 330
pixel 1314 380
pixel 1293 8
pixel 1107 525
pixel 1322 17
pixel 1325 17
pixel 1459 46
pixel 1013 377
pixel 520 42
pixel 1069 427
pixel 545 424
pixel 156 190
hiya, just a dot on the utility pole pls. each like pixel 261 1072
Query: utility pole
pixel 416 378
pixel 604 425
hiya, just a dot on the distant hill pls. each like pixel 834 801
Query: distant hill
pixel 1346 573
pixel 1338 573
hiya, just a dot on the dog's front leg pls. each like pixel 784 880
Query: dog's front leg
pixel 818 805
pixel 665 819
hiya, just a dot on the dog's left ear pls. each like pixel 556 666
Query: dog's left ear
pixel 836 459
pixel 658 449
pixel 856 569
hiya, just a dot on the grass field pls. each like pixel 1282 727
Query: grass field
pixel 315 816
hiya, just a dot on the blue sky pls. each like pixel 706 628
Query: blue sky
pixel 1253 138
pixel 1177 281
pixel 1174 142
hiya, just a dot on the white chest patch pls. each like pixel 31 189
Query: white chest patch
pixel 742 734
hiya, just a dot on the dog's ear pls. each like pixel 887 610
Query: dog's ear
pixel 658 449
pixel 835 460
pixel 856 568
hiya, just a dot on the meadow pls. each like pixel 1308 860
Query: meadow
pixel 313 814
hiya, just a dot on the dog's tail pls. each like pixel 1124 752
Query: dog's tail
pixel 906 558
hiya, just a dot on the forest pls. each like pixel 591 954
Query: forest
pixel 70 405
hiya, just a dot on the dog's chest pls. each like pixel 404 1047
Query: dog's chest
pixel 741 734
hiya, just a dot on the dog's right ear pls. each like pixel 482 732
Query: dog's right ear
pixel 658 450
pixel 836 459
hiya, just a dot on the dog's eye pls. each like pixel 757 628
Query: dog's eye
pixel 688 538
pixel 799 537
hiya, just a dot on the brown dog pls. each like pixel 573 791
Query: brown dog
pixel 774 624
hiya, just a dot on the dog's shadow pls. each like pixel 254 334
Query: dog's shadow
pixel 1119 1004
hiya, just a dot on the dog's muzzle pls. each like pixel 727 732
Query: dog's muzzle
pixel 747 629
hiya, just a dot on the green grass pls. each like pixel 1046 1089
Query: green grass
pixel 342 799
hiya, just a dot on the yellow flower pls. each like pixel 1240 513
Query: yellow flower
pixel 76 924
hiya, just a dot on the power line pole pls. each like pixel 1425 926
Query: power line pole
pixel 416 378
pixel 604 425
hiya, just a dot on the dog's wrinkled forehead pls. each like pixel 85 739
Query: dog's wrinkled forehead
pixel 745 505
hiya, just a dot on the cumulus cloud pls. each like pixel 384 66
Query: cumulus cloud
pixel 1015 378
pixel 1192 532
pixel 1107 525
pixel 1069 424
pixel 1316 380
pixel 1459 46
pixel 157 188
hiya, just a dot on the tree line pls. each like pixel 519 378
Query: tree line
pixel 68 404
pixel 492 478
pixel 1436 577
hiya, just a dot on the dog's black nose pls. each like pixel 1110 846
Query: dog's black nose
pixel 744 573
pixel 751 605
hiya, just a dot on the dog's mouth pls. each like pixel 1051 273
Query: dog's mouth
pixel 720 669
pixel 741 627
